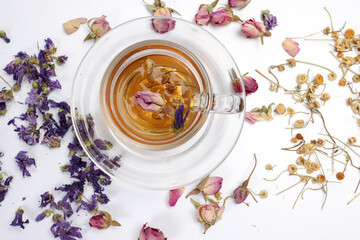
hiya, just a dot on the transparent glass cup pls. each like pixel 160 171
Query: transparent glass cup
pixel 186 157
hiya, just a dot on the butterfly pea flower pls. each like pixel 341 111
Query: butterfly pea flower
pixel 98 28
pixel 64 230
pixel 23 162
pixel 174 195
pixel 73 25
pixel 102 221
pixel 291 47
pixel 203 15
pixel 149 233
pixel 149 101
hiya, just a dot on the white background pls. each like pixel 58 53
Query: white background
pixel 29 22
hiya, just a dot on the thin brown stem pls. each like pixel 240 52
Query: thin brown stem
pixel 289 187
pixel 314 64
pixel 6 82
pixel 300 193
pixel 307 35
pixel 331 22
pixel 353 198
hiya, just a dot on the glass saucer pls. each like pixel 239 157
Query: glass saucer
pixel 146 168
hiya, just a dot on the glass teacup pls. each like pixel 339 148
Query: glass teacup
pixel 158 157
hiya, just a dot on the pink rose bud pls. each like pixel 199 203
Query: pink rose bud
pixel 73 25
pixel 98 28
pixel 212 185
pixel 291 47
pixel 250 85
pixel 203 16
pixel 237 3
pixel 253 117
pixel 148 233
pixel 240 195
pixel 163 25
pixel 102 221
pixel 253 29
pixel 99 222
pixel 237 86
pixel 174 195
pixel 210 214
pixel 149 101
pixel 222 17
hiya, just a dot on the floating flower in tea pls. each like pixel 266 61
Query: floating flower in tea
pixel 149 101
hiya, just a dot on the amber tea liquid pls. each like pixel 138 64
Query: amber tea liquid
pixel 160 69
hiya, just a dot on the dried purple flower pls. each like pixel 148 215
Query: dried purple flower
pixel 4 187
pixel 66 208
pixel 179 121
pixel 61 59
pixel 23 162
pixel 269 20
pixel 18 220
pixel 73 191
pixel 3 36
pixel 103 144
pixel 64 230
pixel 46 199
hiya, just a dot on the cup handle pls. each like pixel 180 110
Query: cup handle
pixel 217 103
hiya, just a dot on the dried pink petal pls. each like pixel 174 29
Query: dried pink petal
pixel 149 101
pixel 291 47
pixel 253 117
pixel 237 3
pixel 73 25
pixel 174 195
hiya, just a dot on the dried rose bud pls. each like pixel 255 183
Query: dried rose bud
pixel 237 85
pixel 222 17
pixel 149 101
pixel 148 233
pixel 238 3
pixel 250 84
pixel 291 47
pixel 210 214
pixel 102 221
pixel 73 25
pixel 174 195
pixel 98 28
pixel 240 195
pixel 163 25
pixel 203 15
pixel 253 29
pixel 208 186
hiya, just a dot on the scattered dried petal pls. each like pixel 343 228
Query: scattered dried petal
pixel 73 25
pixel 291 47
pixel 174 195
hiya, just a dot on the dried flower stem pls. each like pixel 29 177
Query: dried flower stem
pixel 300 193
pixel 331 22
pixel 271 180
pixel 353 198
pixel 6 82
pixel 357 186
pixel 314 64
pixel 307 35
pixel 290 187
pixel 314 39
